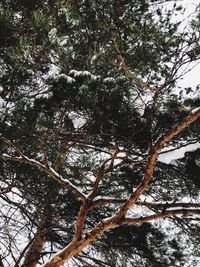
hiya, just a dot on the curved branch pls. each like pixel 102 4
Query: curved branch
pixel 46 168
pixel 74 248
pixel 102 172
pixel 85 205
pixel 151 163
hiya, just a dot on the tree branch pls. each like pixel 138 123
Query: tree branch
pixel 162 215
pixel 122 65
pixel 75 247
pixel 85 207
pixel 167 205
pixel 102 172
pixel 100 201
pixel 151 163
pixel 46 168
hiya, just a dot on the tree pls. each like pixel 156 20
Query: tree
pixel 89 99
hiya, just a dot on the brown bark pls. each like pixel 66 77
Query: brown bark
pixel 162 215
pixel 167 205
pixel 151 163
pixel 79 243
pixel 75 247
pixel 34 252
pixel 87 203
pixel 46 168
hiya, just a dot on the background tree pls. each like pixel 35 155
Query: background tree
pixel 89 98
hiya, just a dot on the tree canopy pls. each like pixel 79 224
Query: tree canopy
pixel 89 100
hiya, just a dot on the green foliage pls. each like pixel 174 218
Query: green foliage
pixel 69 103
pixel 141 246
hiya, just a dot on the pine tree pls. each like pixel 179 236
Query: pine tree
pixel 89 97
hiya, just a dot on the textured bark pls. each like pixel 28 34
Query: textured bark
pixel 79 242
pixel 1 262
pixel 151 163
pixel 34 251
pixel 76 246
pixel 162 215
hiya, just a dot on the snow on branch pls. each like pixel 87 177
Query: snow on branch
pixel 100 201
pixel 74 248
pixel 46 168
pixel 162 215
pixel 167 205
pixel 195 110
pixel 151 163
pixel 103 170
pixel 79 242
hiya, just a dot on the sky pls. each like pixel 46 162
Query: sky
pixel 190 79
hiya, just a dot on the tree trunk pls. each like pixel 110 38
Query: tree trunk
pixel 34 252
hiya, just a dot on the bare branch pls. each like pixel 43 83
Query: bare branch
pixel 162 215
pixel 167 205
pixel 102 172
pixel 152 205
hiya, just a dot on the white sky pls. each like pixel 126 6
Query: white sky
pixel 191 79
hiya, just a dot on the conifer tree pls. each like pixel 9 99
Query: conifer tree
pixel 89 98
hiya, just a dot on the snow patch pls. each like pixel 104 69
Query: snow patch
pixel 77 119
pixel 53 35
pixel 109 80
pixel 84 73
pixel 68 78
pixel 69 18
pixel 2 103
pixel 195 110
pixel 178 153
